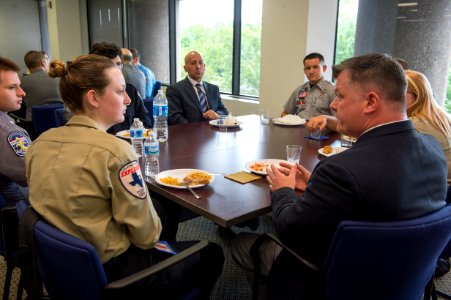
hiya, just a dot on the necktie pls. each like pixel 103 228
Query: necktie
pixel 202 97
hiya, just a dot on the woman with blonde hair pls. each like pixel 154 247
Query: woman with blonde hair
pixel 427 116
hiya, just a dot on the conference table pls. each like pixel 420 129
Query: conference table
pixel 203 146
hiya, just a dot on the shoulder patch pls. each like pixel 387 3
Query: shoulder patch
pixel 19 141
pixel 131 178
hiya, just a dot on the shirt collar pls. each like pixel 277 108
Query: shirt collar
pixel 194 82
pixel 383 124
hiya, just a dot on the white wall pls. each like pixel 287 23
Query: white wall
pixel 321 31
pixel 67 29
pixel 19 34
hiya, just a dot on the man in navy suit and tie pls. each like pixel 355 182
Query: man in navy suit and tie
pixel 191 99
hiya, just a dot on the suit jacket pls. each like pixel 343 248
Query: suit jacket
pixel 40 89
pixel 391 173
pixel 184 106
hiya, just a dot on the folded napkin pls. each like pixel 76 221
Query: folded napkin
pixel 323 137
pixel 243 177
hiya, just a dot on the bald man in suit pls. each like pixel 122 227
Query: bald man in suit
pixel 185 97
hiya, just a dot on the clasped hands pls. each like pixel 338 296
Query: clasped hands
pixel 289 175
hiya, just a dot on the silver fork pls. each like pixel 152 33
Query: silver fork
pixel 186 184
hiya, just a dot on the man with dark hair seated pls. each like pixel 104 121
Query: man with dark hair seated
pixel 14 140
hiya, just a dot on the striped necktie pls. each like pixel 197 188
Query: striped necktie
pixel 202 97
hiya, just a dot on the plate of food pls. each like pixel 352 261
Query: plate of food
pixel 126 133
pixel 179 178
pixel 229 122
pixel 289 120
pixel 329 150
pixel 259 166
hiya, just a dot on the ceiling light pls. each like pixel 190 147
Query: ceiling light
pixel 407 4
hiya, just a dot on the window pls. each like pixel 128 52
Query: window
pixel 226 32
pixel 230 46
pixel 414 31
pixel 207 27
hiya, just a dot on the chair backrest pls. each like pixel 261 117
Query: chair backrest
pixel 59 116
pixel 385 260
pixel 69 267
pixel 44 117
pixel 148 103
pixel 156 87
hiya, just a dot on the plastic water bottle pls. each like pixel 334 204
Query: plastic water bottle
pixel 136 135
pixel 151 154
pixel 160 116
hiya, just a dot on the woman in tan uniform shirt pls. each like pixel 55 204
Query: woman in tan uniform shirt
pixel 89 184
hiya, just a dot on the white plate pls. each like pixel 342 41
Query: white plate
pixel 263 161
pixel 125 134
pixel 180 174
pixel 215 123
pixel 279 122
pixel 335 150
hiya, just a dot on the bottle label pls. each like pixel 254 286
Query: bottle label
pixel 160 110
pixel 139 133
pixel 164 110
pixel 152 148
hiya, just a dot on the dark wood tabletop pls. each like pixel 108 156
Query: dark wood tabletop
pixel 203 146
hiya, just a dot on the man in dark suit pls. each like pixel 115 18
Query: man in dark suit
pixel 391 173
pixel 191 99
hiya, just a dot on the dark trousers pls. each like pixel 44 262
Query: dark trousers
pixel 199 271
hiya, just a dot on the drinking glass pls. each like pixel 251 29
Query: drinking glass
pixel 265 115
pixel 222 125
pixel 316 134
pixel 294 153
pixel 347 141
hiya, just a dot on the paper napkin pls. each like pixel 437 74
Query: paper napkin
pixel 243 177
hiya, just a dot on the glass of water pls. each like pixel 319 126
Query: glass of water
pixel 294 153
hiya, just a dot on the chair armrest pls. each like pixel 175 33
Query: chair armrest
pixel 121 283
pixel 298 257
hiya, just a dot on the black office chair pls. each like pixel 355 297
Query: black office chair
pixel 9 244
pixel 378 260
pixel 71 269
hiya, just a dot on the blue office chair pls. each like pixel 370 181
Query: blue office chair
pixel 378 260
pixel 156 88
pixel 148 103
pixel 9 244
pixel 71 269
pixel 446 254
pixel 44 117
pixel 59 116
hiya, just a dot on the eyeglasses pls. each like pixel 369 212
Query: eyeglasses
pixel 119 65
